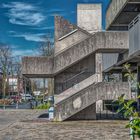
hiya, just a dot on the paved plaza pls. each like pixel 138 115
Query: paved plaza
pixel 24 125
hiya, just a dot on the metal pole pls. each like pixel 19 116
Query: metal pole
pixel 132 136
pixel 138 89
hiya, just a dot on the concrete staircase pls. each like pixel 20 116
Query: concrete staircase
pixel 82 104
pixel 76 88
pixel 99 42
pixel 72 45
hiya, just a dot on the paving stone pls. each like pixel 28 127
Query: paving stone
pixel 26 128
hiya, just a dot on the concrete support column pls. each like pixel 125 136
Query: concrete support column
pixel 99 106
pixel 138 89
pixel 98 66
pixel 50 87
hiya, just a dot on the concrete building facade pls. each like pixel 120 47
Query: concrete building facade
pixel 86 58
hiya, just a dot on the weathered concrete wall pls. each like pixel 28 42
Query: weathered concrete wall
pixel 62 27
pixel 88 96
pixel 89 17
pixel 37 66
pixel 113 10
pixel 70 40
pixel 75 74
pixel 101 42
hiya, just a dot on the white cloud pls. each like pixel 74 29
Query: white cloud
pixel 23 52
pixel 14 46
pixel 29 37
pixel 24 14
pixel 20 51
pixel 32 37
pixel 44 28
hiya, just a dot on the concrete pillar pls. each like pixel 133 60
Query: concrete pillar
pixel 98 66
pixel 50 86
pixel 99 106
pixel 89 17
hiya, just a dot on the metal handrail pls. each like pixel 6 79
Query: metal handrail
pixel 74 76
pixel 134 21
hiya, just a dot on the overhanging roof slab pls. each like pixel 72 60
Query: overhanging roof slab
pixel 120 13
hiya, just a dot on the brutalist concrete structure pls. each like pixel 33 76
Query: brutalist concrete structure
pixel 84 56
pixel 125 15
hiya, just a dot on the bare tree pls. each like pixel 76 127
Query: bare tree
pixel 46 48
pixel 16 72
pixel 33 85
pixel 5 61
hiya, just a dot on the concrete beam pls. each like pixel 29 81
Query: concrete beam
pixel 37 67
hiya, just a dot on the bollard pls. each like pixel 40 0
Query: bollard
pixel 51 109
pixel 51 113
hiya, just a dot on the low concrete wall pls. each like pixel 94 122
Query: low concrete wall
pixel 88 96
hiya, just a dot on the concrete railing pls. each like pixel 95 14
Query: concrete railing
pixel 88 96
pixel 76 88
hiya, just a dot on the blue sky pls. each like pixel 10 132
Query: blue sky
pixel 23 23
